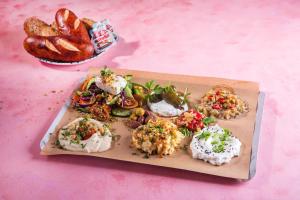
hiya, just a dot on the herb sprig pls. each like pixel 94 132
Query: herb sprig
pixel 156 91
pixel 185 96
pixel 106 72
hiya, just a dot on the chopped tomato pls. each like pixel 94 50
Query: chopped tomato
pixel 193 124
pixel 201 125
pixel 75 98
pixel 221 100
pixel 89 133
pixel 217 106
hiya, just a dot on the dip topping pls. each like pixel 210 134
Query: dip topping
pixel 221 102
pixel 215 145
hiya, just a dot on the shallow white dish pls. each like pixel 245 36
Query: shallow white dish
pixel 52 62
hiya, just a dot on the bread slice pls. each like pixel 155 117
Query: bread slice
pixel 36 27
pixel 88 23
pixel 54 26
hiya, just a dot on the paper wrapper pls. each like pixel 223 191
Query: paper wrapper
pixel 242 127
pixel 102 35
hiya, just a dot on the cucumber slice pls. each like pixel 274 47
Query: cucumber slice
pixel 90 83
pixel 114 100
pixel 121 112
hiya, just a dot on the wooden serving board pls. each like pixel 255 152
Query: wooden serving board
pixel 245 128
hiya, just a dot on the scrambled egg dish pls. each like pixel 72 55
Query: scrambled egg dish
pixel 157 137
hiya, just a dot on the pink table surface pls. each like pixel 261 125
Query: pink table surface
pixel 251 40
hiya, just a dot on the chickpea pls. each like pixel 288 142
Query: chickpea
pixel 101 130
pixel 133 117
pixel 139 111
pixel 214 112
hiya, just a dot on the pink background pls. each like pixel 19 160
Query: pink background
pixel 252 40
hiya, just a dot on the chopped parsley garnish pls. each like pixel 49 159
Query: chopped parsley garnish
pixel 79 136
pixel 81 130
pixel 214 142
pixel 219 141
pixel 218 148
pixel 66 133
pixel 106 72
pixel 208 120
pixel 185 131
pixel 225 135
pixel 74 141
pixel 226 131
pixel 159 128
pixel 205 135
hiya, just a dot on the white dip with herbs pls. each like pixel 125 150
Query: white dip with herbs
pixel 165 109
pixel 72 136
pixel 215 145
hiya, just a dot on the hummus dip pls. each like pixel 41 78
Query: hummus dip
pixel 85 135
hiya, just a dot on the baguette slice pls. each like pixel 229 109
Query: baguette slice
pixel 36 27
pixel 88 23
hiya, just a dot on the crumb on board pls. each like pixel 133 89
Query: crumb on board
pixel 53 91
pixel 45 94
pixel 49 108
pixel 146 156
